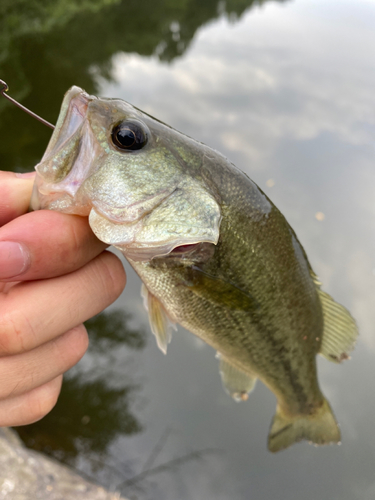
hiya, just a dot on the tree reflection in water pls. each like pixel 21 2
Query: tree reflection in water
pixel 92 409
pixel 43 52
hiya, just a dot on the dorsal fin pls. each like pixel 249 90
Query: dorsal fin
pixel 161 325
pixel 340 330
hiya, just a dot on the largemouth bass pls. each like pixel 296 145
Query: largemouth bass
pixel 213 252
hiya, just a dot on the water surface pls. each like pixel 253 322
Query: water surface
pixel 286 91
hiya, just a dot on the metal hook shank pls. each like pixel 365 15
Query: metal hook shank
pixel 34 115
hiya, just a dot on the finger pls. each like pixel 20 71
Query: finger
pixel 15 194
pixel 33 313
pixel 45 244
pixel 30 407
pixel 23 372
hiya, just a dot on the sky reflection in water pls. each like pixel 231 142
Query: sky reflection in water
pixel 287 94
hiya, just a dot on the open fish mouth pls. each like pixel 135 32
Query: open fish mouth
pixel 66 163
pixel 78 101
pixel 72 116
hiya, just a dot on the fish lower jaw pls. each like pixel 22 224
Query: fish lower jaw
pixel 61 202
pixel 143 253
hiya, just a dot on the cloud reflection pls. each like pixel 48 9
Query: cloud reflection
pixel 299 110
pixel 238 80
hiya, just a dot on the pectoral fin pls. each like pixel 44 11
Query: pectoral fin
pixel 161 325
pixel 340 331
pixel 237 383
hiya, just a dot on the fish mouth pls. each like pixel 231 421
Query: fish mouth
pixel 68 157
pixel 71 119
pixel 76 113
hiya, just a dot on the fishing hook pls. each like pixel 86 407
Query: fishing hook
pixel 5 89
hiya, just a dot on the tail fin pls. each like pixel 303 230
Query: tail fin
pixel 319 428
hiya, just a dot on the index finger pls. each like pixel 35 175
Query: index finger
pixel 15 194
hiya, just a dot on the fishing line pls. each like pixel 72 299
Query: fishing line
pixel 5 89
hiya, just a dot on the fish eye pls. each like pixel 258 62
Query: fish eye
pixel 129 135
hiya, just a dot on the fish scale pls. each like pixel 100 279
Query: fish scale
pixel 265 339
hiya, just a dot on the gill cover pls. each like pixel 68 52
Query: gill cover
pixel 188 215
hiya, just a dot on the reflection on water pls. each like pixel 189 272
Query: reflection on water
pixel 138 481
pixel 111 330
pixel 90 415
pixel 286 92
pixel 43 52
pixel 90 412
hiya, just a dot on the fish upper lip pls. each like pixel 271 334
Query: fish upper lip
pixel 76 106
pixel 74 119
pixel 80 102
pixel 77 103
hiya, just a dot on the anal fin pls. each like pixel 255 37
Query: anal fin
pixel 160 323
pixel 237 383
pixel 340 330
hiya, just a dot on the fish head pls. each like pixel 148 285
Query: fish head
pixel 139 181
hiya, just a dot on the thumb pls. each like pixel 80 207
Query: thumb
pixel 15 194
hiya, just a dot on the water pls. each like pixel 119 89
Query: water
pixel 285 90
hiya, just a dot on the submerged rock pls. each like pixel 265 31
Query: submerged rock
pixel 26 475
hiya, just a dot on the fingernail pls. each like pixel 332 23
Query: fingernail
pixel 14 259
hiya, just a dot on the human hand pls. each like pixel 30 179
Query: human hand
pixel 54 275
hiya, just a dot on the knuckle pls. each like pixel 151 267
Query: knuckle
pixel 73 235
pixel 114 277
pixel 71 346
pixel 82 341
pixel 31 406
pixel 43 401
pixel 15 196
pixel 12 388
pixel 81 242
pixel 106 278
pixel 14 329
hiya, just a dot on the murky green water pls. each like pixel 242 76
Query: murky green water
pixel 286 91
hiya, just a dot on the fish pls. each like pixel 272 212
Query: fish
pixel 213 252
